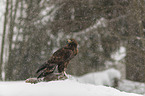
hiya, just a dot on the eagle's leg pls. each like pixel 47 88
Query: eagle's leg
pixel 65 74
pixel 61 76
pixel 61 69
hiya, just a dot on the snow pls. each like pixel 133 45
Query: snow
pixel 120 54
pixel 101 78
pixel 132 86
pixel 58 88
pixel 107 77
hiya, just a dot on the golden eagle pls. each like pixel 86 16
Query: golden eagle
pixel 59 59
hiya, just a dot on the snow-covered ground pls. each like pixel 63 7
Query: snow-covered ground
pixel 91 84
pixel 58 88
pixel 131 86
pixel 106 77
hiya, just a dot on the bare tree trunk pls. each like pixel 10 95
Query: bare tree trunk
pixel 135 61
pixel 12 22
pixel 11 32
pixel 21 13
pixel 3 38
pixel 142 27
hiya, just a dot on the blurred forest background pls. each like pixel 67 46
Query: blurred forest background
pixel 34 29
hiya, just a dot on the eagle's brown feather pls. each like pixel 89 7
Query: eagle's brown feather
pixel 59 59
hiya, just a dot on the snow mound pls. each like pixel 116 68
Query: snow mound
pixel 58 88
pixel 106 77
pixel 132 86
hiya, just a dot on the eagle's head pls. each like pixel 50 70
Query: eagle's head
pixel 72 42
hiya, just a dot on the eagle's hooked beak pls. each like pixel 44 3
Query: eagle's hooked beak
pixel 69 41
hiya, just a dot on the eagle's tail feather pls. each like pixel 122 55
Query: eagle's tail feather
pixel 43 74
pixel 41 67
pixel 46 69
